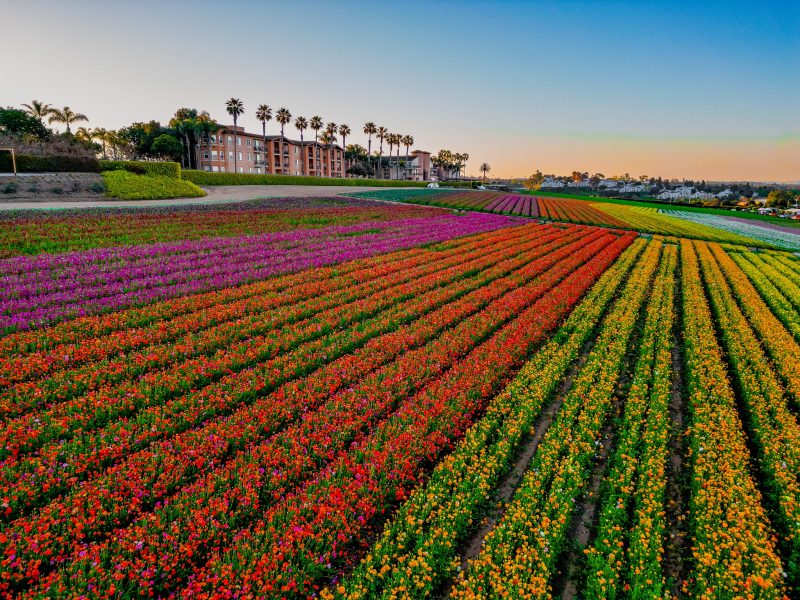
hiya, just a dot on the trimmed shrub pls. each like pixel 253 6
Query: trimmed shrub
pixel 27 163
pixel 208 178
pixel 143 167
pixel 129 186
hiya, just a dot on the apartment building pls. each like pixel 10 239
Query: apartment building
pixel 259 155
pixel 413 167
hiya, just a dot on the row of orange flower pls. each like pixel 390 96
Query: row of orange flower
pixel 773 427
pixel 418 549
pixel 519 555
pixel 625 559
pixel 733 547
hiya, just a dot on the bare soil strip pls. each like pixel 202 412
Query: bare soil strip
pixel 676 542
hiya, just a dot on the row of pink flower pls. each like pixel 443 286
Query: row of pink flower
pixel 100 280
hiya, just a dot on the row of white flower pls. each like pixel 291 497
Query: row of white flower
pixel 782 239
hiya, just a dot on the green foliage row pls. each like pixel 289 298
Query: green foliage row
pixel 49 164
pixel 208 178
pixel 130 186
pixel 143 167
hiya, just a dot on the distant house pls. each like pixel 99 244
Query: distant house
pixel 551 183
pixel 684 192
pixel 634 188
pixel 724 194
pixel 608 183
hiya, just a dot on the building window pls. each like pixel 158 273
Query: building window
pixel 230 155
pixel 230 139
pixel 249 156
pixel 215 168
pixel 248 141
pixel 238 141
pixel 213 155
pixel 207 168
pixel 205 155
pixel 241 169
pixel 239 156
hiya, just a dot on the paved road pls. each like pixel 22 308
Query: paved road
pixel 216 195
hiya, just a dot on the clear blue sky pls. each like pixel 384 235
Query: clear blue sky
pixel 696 89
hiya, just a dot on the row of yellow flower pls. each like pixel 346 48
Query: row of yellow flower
pixel 733 547
pixel 520 554
pixel 785 279
pixel 625 560
pixel 418 550
pixel 650 219
pixel 773 427
pixel 777 302
pixel 781 347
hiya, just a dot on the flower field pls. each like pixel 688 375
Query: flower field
pixel 372 400
pixel 609 214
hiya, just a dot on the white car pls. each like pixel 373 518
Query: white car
pixel 433 184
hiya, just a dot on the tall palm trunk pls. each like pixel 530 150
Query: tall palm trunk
pixel 303 157
pixel 266 154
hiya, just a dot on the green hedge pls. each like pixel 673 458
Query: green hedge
pixel 143 167
pixel 49 164
pixel 129 186
pixel 208 178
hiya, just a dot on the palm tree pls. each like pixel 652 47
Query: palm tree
pixel 84 134
pixel 316 124
pixel 464 159
pixel 103 135
pixel 485 168
pixel 203 127
pixel 369 130
pixel 37 109
pixel 330 130
pixel 344 131
pixel 184 123
pixel 390 141
pixel 264 114
pixel 66 116
pixel 235 107
pixel 407 141
pixel 381 134
pixel 283 116
pixel 301 124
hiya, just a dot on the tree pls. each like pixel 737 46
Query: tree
pixel 330 136
pixel 142 135
pixel 84 134
pixel 184 123
pixel 390 138
pixel 167 146
pixel 204 126
pixel 577 176
pixel 464 159
pixel 18 123
pixel 235 107
pixel 301 124
pixel 38 110
pixel 381 134
pixel 781 198
pixel 264 114
pixel 407 141
pixel 316 124
pixel 103 136
pixel 534 182
pixel 284 117
pixel 485 168
pixel 369 131
pixel 66 116
pixel 344 131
